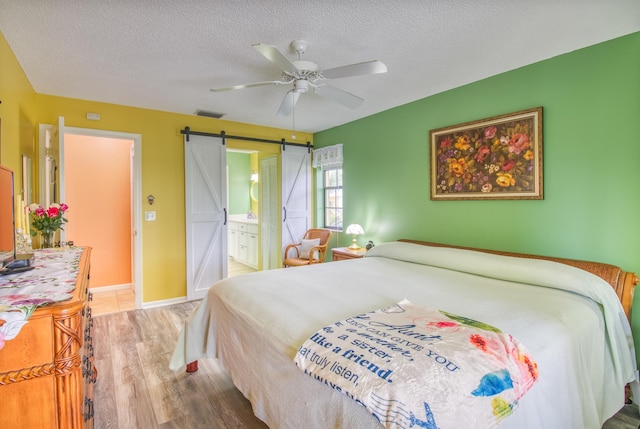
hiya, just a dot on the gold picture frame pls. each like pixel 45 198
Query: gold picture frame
pixel 496 158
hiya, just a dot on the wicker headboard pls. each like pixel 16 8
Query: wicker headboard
pixel 623 282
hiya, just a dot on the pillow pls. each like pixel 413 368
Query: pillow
pixel 306 246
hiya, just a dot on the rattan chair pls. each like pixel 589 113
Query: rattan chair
pixel 312 249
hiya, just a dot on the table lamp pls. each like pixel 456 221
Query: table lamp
pixel 355 230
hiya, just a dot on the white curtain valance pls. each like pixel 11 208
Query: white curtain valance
pixel 326 157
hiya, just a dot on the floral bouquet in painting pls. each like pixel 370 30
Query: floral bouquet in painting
pixel 479 161
pixel 47 221
pixel 499 157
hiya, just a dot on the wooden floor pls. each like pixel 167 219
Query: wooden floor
pixel 112 301
pixel 136 389
pixel 627 418
pixel 236 268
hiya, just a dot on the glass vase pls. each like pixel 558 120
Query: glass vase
pixel 46 240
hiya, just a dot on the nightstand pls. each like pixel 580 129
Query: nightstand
pixel 344 253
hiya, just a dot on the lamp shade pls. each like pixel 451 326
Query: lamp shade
pixel 354 229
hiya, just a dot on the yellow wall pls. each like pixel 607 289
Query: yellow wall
pixel 17 111
pixel 163 241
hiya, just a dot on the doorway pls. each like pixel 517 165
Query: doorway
pixel 124 150
pixel 252 183
pixel 243 203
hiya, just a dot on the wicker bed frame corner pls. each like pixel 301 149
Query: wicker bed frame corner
pixel 623 282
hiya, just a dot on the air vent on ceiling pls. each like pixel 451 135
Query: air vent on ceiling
pixel 209 114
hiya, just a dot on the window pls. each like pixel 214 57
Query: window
pixel 332 181
pixel 328 161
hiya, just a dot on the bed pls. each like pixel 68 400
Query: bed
pixel 571 315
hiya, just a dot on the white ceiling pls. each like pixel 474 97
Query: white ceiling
pixel 167 54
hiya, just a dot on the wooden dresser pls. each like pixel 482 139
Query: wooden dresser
pixel 47 372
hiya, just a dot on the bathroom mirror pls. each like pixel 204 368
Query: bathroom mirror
pixel 253 192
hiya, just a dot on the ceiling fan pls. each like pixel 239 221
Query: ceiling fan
pixel 306 75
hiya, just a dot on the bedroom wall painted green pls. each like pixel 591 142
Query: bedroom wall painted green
pixel 591 206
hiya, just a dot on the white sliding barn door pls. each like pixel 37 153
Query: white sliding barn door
pixel 296 194
pixel 206 213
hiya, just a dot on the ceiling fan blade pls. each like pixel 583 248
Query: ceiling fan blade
pixel 248 85
pixel 290 100
pixel 369 67
pixel 340 96
pixel 274 55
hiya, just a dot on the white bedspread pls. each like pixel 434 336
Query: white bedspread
pixel 570 321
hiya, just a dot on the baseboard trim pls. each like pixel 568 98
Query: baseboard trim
pixel 163 302
pixel 111 288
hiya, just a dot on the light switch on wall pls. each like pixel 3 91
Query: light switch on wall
pixel 149 216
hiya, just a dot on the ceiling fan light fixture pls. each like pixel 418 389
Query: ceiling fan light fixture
pixel 300 86
pixel 305 74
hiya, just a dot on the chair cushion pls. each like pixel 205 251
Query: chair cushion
pixel 306 246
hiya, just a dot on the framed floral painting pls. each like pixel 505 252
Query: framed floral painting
pixel 494 158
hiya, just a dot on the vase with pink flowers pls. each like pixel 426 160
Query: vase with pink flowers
pixel 47 222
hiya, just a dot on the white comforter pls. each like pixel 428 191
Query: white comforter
pixel 571 322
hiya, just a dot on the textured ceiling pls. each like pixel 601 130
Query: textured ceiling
pixel 166 55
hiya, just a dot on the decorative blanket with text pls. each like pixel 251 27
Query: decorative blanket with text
pixel 413 366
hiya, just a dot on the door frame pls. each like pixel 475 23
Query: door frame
pixel 49 148
pixel 136 192
pixel 269 248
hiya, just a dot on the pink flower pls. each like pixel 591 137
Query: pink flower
pixel 489 132
pixel 483 153
pixel 518 143
pixel 508 165
pixel 487 343
pixel 528 370
pixel 444 324
pixel 52 211
pixel 479 342
pixel 15 297
pixel 429 323
pixel 445 142
pixel 47 220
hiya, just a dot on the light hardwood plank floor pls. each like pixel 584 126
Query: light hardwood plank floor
pixel 136 389
pixel 235 268
pixel 112 301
